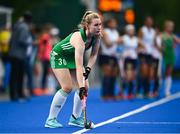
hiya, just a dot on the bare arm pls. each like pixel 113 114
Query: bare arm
pixel 94 53
pixel 77 42
pixel 107 42
pixel 158 42
pixel 176 39
pixel 140 34
pixel 140 45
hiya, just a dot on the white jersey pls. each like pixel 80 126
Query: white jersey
pixel 148 39
pixel 112 35
pixel 130 46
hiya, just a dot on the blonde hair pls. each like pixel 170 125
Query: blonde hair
pixel 129 27
pixel 168 22
pixel 88 17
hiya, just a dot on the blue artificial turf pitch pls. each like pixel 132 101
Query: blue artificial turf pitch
pixel 30 116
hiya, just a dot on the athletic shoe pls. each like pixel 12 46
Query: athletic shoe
pixel 139 96
pixel 153 95
pixel 107 98
pixel 79 122
pixel 130 96
pixel 53 123
pixel 167 94
pixel 120 96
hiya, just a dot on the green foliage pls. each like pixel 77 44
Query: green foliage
pixel 65 14
pixel 20 6
pixel 161 10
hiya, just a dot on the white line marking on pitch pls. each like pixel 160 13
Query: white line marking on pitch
pixel 141 109
pixel 151 123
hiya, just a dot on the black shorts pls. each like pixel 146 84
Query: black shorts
pixel 145 58
pixel 130 64
pixel 155 63
pixel 107 60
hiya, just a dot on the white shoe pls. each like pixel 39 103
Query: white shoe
pixel 167 94
pixel 52 123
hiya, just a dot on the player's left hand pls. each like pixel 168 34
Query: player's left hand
pixel 87 72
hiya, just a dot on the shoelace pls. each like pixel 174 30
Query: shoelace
pixel 80 120
pixel 55 121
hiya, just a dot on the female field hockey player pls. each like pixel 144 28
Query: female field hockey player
pixel 147 35
pixel 129 58
pixel 168 41
pixel 69 54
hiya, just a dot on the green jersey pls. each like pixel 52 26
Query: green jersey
pixel 63 53
pixel 168 52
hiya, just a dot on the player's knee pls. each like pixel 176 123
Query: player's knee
pixel 67 88
pixel 169 71
pixel 130 75
pixel 144 71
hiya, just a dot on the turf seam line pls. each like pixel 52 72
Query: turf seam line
pixel 138 110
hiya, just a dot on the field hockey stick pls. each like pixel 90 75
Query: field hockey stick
pixel 86 124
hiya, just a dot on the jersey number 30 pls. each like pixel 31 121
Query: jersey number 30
pixel 62 61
